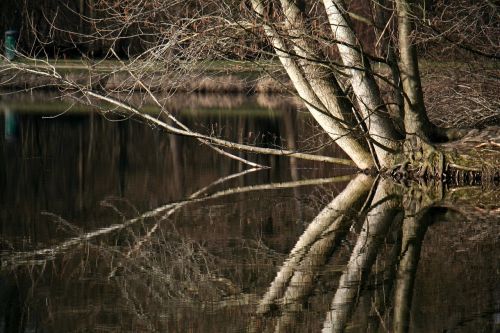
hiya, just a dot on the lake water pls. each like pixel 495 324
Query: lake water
pixel 102 229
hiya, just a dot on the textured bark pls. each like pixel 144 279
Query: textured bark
pixel 385 49
pixel 415 115
pixel 370 103
pixel 473 160
pixel 341 135
pixel 323 83
pixel 326 100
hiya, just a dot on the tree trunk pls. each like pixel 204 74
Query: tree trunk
pixel 341 135
pixel 370 103
pixel 415 117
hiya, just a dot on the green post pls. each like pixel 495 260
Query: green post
pixel 10 44
pixel 11 125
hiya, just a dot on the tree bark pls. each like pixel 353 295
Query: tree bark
pixel 370 103
pixel 323 83
pixel 415 115
pixel 341 135
pixel 385 49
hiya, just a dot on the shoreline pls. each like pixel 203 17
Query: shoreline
pixel 117 82
pixel 242 77
pixel 209 77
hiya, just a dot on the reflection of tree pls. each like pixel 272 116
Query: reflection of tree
pixel 414 228
pixel 158 266
pixel 385 205
pixel 151 265
pixel 335 223
pixel 330 219
pixel 297 277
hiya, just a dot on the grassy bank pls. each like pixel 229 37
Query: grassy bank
pixel 208 76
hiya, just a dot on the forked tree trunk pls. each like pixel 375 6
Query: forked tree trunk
pixel 340 134
pixel 325 98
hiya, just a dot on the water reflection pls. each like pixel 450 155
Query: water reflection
pixel 375 291
pixel 113 226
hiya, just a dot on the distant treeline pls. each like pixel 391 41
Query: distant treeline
pixel 61 28
pixel 44 27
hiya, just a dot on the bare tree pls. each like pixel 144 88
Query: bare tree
pixel 159 45
pixel 366 95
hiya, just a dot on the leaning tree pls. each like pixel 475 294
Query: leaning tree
pixel 378 117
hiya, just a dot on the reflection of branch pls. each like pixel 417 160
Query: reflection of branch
pixel 49 253
pixel 328 220
pixel 363 255
pixel 193 196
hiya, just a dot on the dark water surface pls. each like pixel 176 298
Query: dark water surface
pixel 102 230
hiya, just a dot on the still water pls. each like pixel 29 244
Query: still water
pixel 108 224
